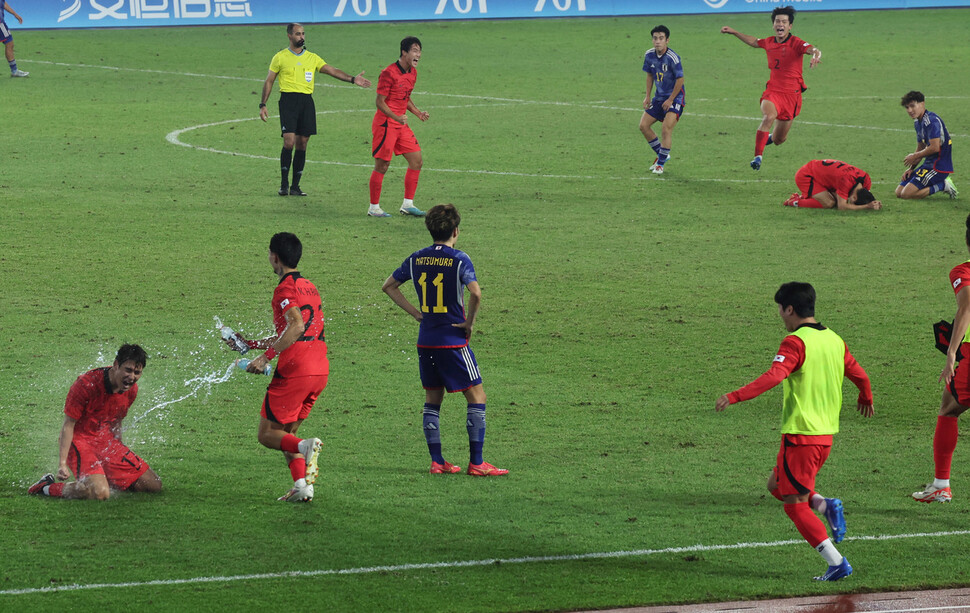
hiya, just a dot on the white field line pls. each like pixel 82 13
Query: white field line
pixel 367 570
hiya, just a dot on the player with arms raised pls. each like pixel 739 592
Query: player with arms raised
pixel 664 69
pixel 831 184
pixel 782 98
pixel 812 361
pixel 440 274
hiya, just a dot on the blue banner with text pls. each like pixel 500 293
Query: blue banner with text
pixel 133 13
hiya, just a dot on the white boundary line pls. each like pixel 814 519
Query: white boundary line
pixel 367 570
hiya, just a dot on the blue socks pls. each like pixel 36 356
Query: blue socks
pixel 937 187
pixel 431 433
pixel 655 145
pixel 13 66
pixel 476 432
pixel 662 156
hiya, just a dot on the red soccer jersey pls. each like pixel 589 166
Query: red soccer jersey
pixel 833 175
pixel 785 63
pixel 960 276
pixel 308 355
pixel 95 408
pixel 397 86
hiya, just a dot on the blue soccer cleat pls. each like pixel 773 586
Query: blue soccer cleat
pixel 839 571
pixel 756 163
pixel 411 210
pixel 836 518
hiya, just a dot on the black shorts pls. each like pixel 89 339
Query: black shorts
pixel 297 114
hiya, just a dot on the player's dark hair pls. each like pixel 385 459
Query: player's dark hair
pixel 968 230
pixel 290 26
pixel 287 248
pixel 131 352
pixel 799 296
pixel 863 196
pixel 784 10
pixel 441 221
pixel 911 97
pixel 663 29
pixel 409 42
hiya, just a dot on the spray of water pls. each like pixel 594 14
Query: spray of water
pixel 196 384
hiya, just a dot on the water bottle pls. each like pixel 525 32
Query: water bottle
pixel 237 342
pixel 243 364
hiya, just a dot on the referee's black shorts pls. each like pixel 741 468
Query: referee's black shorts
pixel 297 114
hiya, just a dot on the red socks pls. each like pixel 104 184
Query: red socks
pixel 56 490
pixel 298 468
pixel 809 203
pixel 760 140
pixel 290 443
pixel 944 443
pixel 410 183
pixel 809 525
pixel 376 180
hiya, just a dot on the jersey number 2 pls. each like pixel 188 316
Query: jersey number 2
pixel 439 286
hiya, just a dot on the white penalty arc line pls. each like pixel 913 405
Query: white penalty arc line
pixel 367 570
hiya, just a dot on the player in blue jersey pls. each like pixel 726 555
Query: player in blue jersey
pixel 664 70
pixel 440 274
pixel 933 147
pixel 7 39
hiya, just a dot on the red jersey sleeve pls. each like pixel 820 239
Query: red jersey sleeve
pixel 78 398
pixel 800 46
pixel 858 376
pixel 960 276
pixel 789 358
pixel 384 83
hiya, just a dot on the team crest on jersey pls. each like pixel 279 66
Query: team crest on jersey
pixel 957 283
pixel 779 358
pixel 309 76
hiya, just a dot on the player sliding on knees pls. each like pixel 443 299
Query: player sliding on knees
pixel 782 98
pixel 831 184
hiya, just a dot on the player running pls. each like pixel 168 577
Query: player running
pixel 664 70
pixel 302 370
pixel 956 393
pixel 812 362
pixel 440 274
pixel 934 147
pixel 90 443
pixel 390 130
pixel 782 98
pixel 7 39
pixel 831 184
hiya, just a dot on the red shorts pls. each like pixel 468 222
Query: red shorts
pixel 787 105
pixel 960 383
pixel 797 466
pixel 290 400
pixel 806 182
pixel 391 138
pixel 105 456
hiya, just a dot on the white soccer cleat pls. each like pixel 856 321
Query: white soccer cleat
pixel 657 169
pixel 310 448
pixel 298 494
pixel 932 494
pixel 19 73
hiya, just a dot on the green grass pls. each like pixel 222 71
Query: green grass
pixel 617 307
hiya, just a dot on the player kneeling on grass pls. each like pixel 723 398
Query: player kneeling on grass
pixel 831 184
pixel 934 147
pixel 90 442
pixel 812 362
pixel 440 274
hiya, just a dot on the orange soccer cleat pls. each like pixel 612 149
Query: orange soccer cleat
pixel 485 470
pixel 447 468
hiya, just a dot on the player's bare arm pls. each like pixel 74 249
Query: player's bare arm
pixel 646 100
pixel 751 41
pixel 392 287
pixel 961 322
pixel 866 410
pixel 471 309
pixel 912 160
pixel 267 90
pixel 381 103
pixel 721 403
pixel 340 75
pixel 816 57
pixel 422 115
pixel 12 12
pixel 295 327
pixel 64 447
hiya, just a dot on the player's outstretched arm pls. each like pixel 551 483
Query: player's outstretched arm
pixel 751 41
pixel 816 57
pixel 340 75
pixel 392 287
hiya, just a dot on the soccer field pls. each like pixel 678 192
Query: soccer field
pixel 138 193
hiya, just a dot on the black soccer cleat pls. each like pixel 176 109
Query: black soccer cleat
pixel 296 191
pixel 284 191
pixel 38 488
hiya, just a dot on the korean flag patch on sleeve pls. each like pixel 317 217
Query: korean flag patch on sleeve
pixel 779 358
pixel 284 304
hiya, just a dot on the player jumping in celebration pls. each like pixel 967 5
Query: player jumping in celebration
pixel 390 129
pixel 297 68
pixel 664 69
pixel 782 98
pixel 956 393
pixel 7 39
pixel 302 370
pixel 812 362
pixel 831 184
pixel 90 442
pixel 933 146
pixel 440 274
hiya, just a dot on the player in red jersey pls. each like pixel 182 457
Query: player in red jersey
pixel 956 394
pixel 782 98
pixel 90 442
pixel 831 184
pixel 301 371
pixel 390 129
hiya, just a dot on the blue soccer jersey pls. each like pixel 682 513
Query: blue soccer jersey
pixel 665 69
pixel 440 274
pixel 930 126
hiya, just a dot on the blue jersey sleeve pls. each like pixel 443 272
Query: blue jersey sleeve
pixel 403 273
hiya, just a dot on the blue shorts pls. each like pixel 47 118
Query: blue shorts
pixel 657 111
pixel 5 35
pixel 925 176
pixel 453 369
